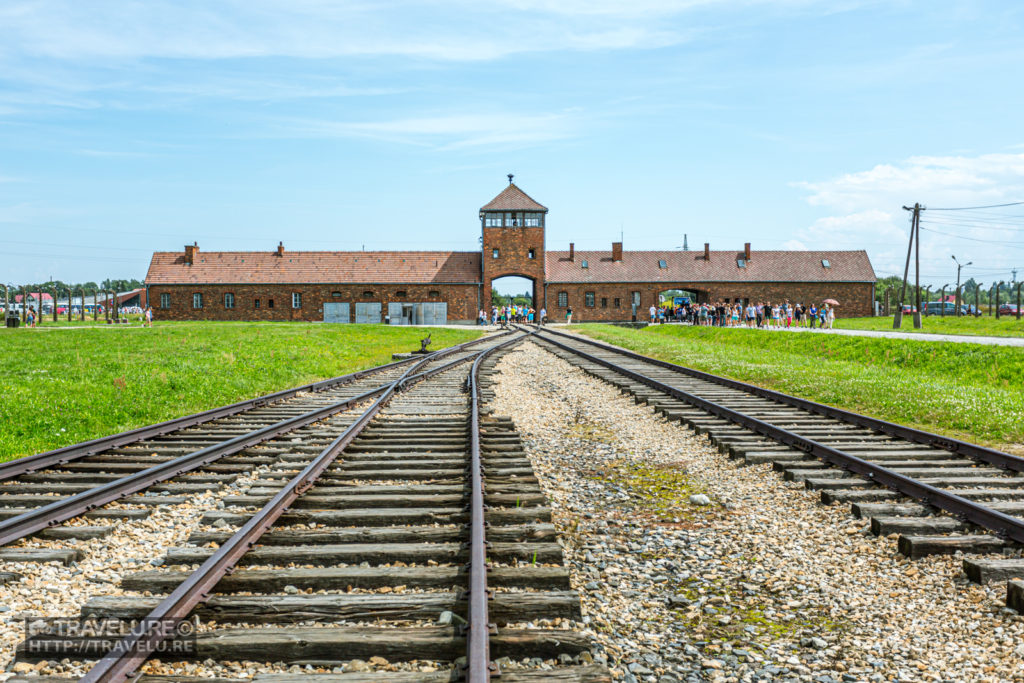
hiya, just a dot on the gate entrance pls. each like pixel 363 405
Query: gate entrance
pixel 425 313
pixel 336 312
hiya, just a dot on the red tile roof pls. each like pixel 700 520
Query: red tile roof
pixel 513 199
pixel 308 267
pixel 690 266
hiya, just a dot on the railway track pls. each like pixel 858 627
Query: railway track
pixel 378 555
pixel 172 460
pixel 938 495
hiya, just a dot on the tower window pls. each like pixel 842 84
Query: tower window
pixel 495 253
pixel 532 254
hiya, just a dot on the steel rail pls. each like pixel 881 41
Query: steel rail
pixel 122 662
pixel 989 456
pixel 64 509
pixel 1004 525
pixel 478 641
pixel 66 454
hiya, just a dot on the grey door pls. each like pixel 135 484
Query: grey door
pixel 395 314
pixel 367 312
pixel 336 312
pixel 435 313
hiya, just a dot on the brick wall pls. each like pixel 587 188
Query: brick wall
pixel 855 298
pixel 513 245
pixel 461 300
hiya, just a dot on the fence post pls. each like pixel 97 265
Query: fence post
pixel 1018 301
pixel 95 306
pixel 54 294
pixel 999 286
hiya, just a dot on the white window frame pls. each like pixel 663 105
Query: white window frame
pixel 229 300
pixel 165 300
pixel 296 300
pixel 197 300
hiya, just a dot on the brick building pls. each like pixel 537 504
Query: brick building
pixel 425 287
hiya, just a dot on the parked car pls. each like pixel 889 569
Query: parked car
pixel 1007 309
pixel 909 308
pixel 935 308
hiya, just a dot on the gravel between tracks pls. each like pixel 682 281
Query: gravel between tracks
pixel 763 583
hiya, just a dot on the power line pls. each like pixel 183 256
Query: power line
pixel 974 208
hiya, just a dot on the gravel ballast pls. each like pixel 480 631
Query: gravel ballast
pixel 692 568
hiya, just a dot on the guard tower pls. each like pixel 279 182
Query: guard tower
pixel 513 240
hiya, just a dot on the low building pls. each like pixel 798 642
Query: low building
pixel 436 287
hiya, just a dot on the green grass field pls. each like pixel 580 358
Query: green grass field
pixel 1007 326
pixel 63 387
pixel 970 391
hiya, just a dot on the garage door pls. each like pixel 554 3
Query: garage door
pixel 435 313
pixel 367 312
pixel 336 312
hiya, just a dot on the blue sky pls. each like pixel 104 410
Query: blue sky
pixel 128 127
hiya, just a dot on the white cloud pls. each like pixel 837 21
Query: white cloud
pixel 444 132
pixel 868 212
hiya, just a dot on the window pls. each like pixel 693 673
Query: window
pixel 636 298
pixel 563 299
pixel 400 294
pixel 604 302
pixel 434 294
pixel 742 263
pixel 165 301
pixel 296 300
pixel 532 254
pixel 336 295
pixel 588 298
pixel 229 300
pixel 584 264
pixel 270 303
pixel 493 220
pixel 825 263
pixel 662 264
pixel 197 300
pixel 255 303
pixel 616 302
pixel 494 253
pixel 532 220
pixel 368 294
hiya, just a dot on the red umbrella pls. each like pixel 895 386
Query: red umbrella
pixel 830 302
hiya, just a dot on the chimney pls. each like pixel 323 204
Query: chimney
pixel 572 251
pixel 616 251
pixel 280 248
pixel 707 251
pixel 190 252
pixel 746 251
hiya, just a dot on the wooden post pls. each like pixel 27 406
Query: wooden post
pixel 95 306
pixel 81 311
pixel 24 304
pixel 897 320
pixel 70 295
pixel 998 287
pixel 887 290
pixel 942 302
pixel 977 300
pixel 54 295
pixel 1018 301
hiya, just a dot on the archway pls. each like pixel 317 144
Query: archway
pixel 513 289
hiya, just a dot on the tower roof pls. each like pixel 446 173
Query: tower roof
pixel 513 199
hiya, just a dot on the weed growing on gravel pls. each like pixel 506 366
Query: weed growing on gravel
pixel 973 392
pixel 62 387
pixel 660 491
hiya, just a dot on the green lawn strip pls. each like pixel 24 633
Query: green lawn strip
pixel 60 388
pixel 985 326
pixel 970 391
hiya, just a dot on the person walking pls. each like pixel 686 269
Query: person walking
pixel 543 315
pixel 568 316
pixel 653 311
pixel 148 320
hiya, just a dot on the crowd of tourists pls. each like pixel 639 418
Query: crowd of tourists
pixel 762 315
pixel 503 315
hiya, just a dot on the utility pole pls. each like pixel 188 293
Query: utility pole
pixel 942 300
pixel 959 267
pixel 914 222
pixel 999 286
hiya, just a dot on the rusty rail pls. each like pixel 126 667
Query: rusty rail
pixel 62 456
pixel 989 456
pixel 121 663
pixel 478 641
pixel 1004 525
